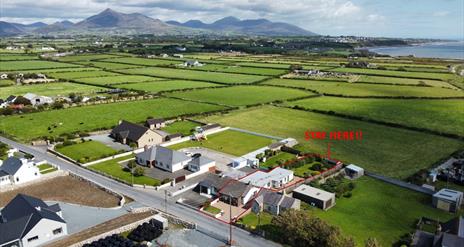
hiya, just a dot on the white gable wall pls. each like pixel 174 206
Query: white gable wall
pixel 26 173
pixel 44 231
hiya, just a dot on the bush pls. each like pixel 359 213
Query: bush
pixel 166 180
pixel 347 194
pixel 131 164
pixel 139 171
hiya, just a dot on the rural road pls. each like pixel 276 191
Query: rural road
pixel 152 198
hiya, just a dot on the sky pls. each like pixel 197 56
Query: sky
pixel 379 18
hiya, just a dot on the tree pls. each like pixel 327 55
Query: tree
pixel 372 242
pixel 139 171
pixel 131 164
pixel 298 228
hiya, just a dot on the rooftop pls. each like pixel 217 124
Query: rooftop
pixel 261 178
pixel 314 192
pixel 447 194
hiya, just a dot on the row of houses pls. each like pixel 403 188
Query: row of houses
pixel 33 99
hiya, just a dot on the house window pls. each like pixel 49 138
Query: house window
pixel 33 239
pixel 17 179
pixel 168 166
pixel 57 231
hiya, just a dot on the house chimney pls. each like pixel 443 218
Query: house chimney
pixel 145 148
pixel 120 121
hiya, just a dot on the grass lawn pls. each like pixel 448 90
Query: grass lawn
pixel 360 89
pixel 87 151
pixel 166 85
pixel 241 95
pixel 44 167
pixel 251 219
pixel 304 170
pixel 229 141
pixel 241 70
pixel 211 209
pixel 86 57
pixel 113 168
pixel 48 171
pixel 119 79
pixel 107 65
pixel 50 89
pixel 104 116
pixel 227 78
pixel 430 114
pixel 183 127
pixel 282 157
pixel 33 64
pixel 4 57
pixel 143 61
pixel 380 210
pixel 389 151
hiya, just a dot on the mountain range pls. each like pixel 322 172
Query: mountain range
pixel 110 22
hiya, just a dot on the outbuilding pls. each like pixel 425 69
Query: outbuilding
pixel 448 200
pixel 353 171
pixel 314 196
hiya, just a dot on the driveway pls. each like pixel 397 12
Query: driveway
pixel 226 209
pixel 222 160
pixel 108 141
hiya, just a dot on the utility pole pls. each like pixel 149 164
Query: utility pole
pixel 230 219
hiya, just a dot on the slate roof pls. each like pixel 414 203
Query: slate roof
pixel 272 198
pixel 128 130
pixel 3 173
pixel 210 126
pixel 172 136
pixel 201 161
pixel 214 181
pixel 155 121
pixel 287 202
pixel 236 189
pixel 454 226
pixel 30 96
pixel 10 98
pixel 21 214
pixel 163 154
pixel 11 165
pixel 1 101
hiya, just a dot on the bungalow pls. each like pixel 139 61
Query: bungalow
pixel 11 99
pixel 3 76
pixel 192 63
pixel 38 100
pixel 274 203
pixel 237 193
pixel 155 123
pixel 276 178
pixel 178 55
pixel 28 221
pixel 212 184
pixel 17 171
pixel 172 160
pixel 314 196
pixel 127 132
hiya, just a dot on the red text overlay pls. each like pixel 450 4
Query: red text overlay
pixel 348 135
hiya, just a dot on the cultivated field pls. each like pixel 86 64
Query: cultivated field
pixel 144 61
pixel 119 79
pixel 230 142
pixel 434 114
pixel 241 95
pixel 407 74
pixel 241 70
pixel 108 65
pixel 87 57
pixel 10 57
pixel 228 78
pixel 103 116
pixel 50 89
pixel 166 85
pixel 33 64
pixel 385 150
pixel 82 74
pixel 359 89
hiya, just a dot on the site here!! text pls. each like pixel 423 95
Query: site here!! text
pixel 348 135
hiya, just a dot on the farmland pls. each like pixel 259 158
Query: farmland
pixel 358 89
pixel 107 65
pixel 117 79
pixel 434 115
pixel 407 74
pixel 405 81
pixel 183 127
pixel 241 70
pixel 88 57
pixel 398 216
pixel 373 152
pixel 166 85
pixel 241 95
pixel 50 89
pixel 33 64
pixel 218 77
pixel 103 116
pixel 143 61
pixel 4 57
pixel 228 141
pixel 81 74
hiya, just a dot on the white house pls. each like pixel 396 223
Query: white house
pixel 178 55
pixel 4 76
pixel 27 221
pixel 192 63
pixel 276 178
pixel 17 171
pixel 172 160
pixel 38 100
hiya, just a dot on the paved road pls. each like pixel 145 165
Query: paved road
pixel 151 198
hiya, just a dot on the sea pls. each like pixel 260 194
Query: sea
pixel 453 50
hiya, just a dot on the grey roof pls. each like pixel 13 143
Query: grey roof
pixel 201 161
pixel 21 214
pixel 210 126
pixel 287 202
pixel 215 181
pixel 454 226
pixel 151 121
pixel 423 239
pixel 128 130
pixel 163 154
pixel 236 189
pixel 11 165
pixel 272 198
pixel 276 145
pixel 450 240
pixel 1 101
pixel 174 135
pixel 448 195
pixel 3 173
pixel 10 98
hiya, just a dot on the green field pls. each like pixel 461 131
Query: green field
pixel 11 57
pixel 380 210
pixel 82 74
pixel 103 116
pixel 50 89
pixel 183 127
pixel 422 75
pixel 108 65
pixel 282 157
pixel 196 75
pixel 359 89
pixel 388 151
pixel 228 141
pixel 86 57
pixel 405 81
pixel 241 70
pixel 33 64
pixel 251 220
pixel 430 114
pixel 144 61
pixel 114 169
pixel 6 82
pixel 118 79
pixel 241 95
pixel 60 70
pixel 87 151
pixel 166 85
